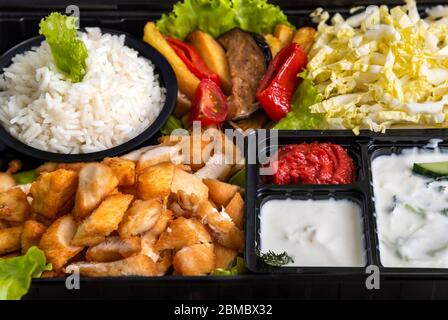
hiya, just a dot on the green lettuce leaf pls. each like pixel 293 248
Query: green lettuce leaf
pixel 218 16
pixel 16 273
pixel 25 177
pixel 300 117
pixel 170 125
pixel 69 52
pixel 238 268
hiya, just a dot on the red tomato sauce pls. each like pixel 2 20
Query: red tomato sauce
pixel 313 163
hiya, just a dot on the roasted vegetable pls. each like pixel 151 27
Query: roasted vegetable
pixel 209 104
pixel 305 38
pixel 187 81
pixel 284 34
pixel 280 81
pixel 213 55
pixel 192 60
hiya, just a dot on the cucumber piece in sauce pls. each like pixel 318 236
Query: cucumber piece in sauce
pixel 432 169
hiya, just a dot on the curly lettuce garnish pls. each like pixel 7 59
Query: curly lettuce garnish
pixel 69 52
pixel 218 16
pixel 16 273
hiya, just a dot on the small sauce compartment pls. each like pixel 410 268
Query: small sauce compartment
pixel 411 223
pixel 269 146
pixel 323 232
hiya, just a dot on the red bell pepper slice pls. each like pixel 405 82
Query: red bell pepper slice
pixel 192 60
pixel 209 104
pixel 280 81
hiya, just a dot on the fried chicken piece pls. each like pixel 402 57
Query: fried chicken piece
pixel 72 166
pixel 55 242
pixel 47 167
pixel 215 168
pixel 234 239
pixel 178 211
pixel 189 184
pixel 224 257
pixel 220 192
pixel 140 217
pixel 4 224
pixel 137 265
pixel 6 181
pixel 159 155
pixel 165 261
pixel 155 182
pixel 14 205
pixel 123 169
pixel 31 235
pixel 235 209
pixel 53 192
pixel 181 233
pixel 53 274
pixel 195 260
pixel 105 219
pixel 96 182
pixel 224 231
pixel 113 249
pixel 218 221
pixel 11 255
pixel 10 239
pixel 165 218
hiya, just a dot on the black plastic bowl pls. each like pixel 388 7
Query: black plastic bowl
pixel 167 80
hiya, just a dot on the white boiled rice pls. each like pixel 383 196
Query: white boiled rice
pixel 119 97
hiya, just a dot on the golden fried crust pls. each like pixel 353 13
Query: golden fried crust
pixel 220 192
pixel 162 223
pixel 234 239
pixel 4 224
pixel 102 221
pixel 195 260
pixel 155 182
pixel 123 169
pixel 10 239
pixel 52 191
pixel 137 265
pixel 140 217
pixel 96 182
pixel 189 184
pixel 223 256
pixel 14 205
pixel 235 209
pixel 159 154
pixel 55 242
pixel 113 249
pixel 165 262
pixel 218 221
pixel 181 233
pixel 31 235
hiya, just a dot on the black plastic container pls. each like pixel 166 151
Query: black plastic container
pixel 363 149
pixel 19 21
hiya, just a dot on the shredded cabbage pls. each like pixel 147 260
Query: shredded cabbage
pixel 381 67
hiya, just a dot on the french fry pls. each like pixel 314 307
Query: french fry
pixel 305 38
pixel 187 81
pixel 283 33
pixel 274 44
pixel 213 55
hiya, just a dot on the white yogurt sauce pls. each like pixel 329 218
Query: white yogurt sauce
pixel 411 210
pixel 313 232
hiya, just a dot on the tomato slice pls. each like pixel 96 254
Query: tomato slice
pixel 209 104
pixel 192 60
